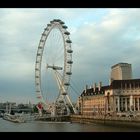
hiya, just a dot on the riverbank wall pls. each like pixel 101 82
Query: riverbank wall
pixel 54 118
pixel 114 121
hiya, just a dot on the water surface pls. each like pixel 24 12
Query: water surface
pixel 42 126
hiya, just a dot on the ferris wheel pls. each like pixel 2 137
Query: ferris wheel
pixel 54 57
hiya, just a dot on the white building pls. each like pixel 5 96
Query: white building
pixel 123 96
pixel 121 71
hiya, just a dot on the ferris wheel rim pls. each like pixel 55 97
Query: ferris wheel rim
pixel 67 72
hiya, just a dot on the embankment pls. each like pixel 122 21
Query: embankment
pixel 114 121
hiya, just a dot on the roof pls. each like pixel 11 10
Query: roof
pixel 119 83
pixel 91 91
pixel 120 64
pixel 116 84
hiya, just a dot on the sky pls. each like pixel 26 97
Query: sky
pixel 101 37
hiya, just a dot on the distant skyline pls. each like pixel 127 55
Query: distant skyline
pixel 101 37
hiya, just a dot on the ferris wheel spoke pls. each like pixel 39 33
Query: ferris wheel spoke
pixel 59 57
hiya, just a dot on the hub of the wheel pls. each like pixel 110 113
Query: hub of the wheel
pixel 54 67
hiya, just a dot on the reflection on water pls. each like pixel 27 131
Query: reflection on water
pixel 40 126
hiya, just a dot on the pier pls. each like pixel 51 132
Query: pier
pixel 60 118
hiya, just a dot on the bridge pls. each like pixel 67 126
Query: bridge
pixel 27 110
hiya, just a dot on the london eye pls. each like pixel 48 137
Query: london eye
pixel 54 59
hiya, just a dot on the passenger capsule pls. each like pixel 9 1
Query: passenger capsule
pixel 69 51
pixel 36 76
pixel 61 22
pixel 37 61
pixel 38 54
pixel 56 20
pixel 39 96
pixel 64 26
pixel 44 34
pixel 69 73
pixel 49 24
pixel 46 29
pixel 64 93
pixel 38 91
pixel 68 41
pixel 41 40
pixel 51 21
pixel 40 47
pixel 69 62
pixel 66 33
pixel 66 84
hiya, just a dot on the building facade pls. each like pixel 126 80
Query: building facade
pixel 92 100
pixel 120 97
pixel 123 96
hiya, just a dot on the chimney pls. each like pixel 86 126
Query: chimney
pixel 86 88
pixel 94 87
pixel 100 85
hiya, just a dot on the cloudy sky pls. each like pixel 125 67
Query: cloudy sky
pixel 100 39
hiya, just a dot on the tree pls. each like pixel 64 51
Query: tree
pixel 35 110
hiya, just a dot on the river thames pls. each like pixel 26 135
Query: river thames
pixel 41 126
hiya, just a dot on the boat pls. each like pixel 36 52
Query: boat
pixel 13 118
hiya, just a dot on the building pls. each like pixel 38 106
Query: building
pixel 120 97
pixel 123 96
pixel 121 71
pixel 92 100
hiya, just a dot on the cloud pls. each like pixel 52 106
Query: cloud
pixel 101 38
pixel 100 45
